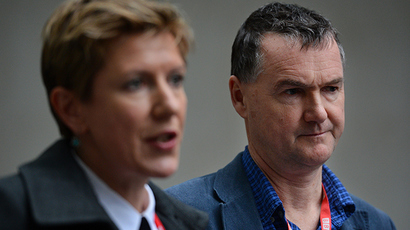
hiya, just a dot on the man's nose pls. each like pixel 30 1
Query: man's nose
pixel 315 110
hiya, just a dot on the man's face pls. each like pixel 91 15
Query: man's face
pixel 294 112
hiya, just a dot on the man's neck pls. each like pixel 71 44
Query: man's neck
pixel 300 192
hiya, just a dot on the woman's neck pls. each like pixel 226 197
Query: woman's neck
pixel 130 186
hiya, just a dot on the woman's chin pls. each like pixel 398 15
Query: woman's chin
pixel 165 169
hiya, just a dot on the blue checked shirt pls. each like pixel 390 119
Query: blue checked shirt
pixel 270 207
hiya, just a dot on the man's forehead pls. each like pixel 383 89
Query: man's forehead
pixel 276 49
pixel 284 60
pixel 274 41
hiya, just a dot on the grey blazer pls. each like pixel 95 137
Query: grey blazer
pixel 228 199
pixel 52 192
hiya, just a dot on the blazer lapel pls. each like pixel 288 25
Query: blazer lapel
pixel 238 206
pixel 358 221
pixel 175 215
pixel 58 189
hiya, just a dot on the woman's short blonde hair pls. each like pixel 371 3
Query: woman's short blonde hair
pixel 76 37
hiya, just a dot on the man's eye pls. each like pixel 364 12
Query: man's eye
pixel 176 79
pixel 292 91
pixel 331 89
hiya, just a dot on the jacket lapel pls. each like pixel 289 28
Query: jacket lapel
pixel 175 215
pixel 238 206
pixel 358 221
pixel 59 191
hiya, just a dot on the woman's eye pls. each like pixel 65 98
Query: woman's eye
pixel 176 79
pixel 134 84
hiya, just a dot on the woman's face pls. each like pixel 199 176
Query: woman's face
pixel 135 118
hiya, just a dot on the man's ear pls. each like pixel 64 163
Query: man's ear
pixel 68 108
pixel 237 96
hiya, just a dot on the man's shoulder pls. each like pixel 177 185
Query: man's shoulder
pixel 367 213
pixel 364 206
pixel 189 191
pixel 176 214
pixel 213 186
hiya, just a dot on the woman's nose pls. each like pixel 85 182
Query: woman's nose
pixel 167 101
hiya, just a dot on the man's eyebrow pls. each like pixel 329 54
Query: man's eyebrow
pixel 288 83
pixel 294 83
pixel 336 81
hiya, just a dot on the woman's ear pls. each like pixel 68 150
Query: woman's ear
pixel 68 108
pixel 237 96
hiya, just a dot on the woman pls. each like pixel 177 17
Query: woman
pixel 113 71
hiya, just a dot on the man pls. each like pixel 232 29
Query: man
pixel 287 85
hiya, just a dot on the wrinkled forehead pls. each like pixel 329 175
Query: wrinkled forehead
pixel 277 46
pixel 327 41
pixel 297 42
pixel 279 54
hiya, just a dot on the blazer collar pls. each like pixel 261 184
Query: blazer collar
pixel 239 210
pixel 60 193
pixel 176 215
pixel 359 220
pixel 58 189
pixel 238 204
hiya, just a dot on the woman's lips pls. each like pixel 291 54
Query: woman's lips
pixel 165 141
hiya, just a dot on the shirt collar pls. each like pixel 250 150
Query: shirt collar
pixel 270 207
pixel 267 201
pixel 340 202
pixel 121 212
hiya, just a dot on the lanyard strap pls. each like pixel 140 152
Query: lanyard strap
pixel 325 216
pixel 158 223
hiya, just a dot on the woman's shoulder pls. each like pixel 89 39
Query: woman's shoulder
pixel 13 203
pixel 11 186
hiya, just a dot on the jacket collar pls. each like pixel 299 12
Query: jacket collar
pixel 176 215
pixel 58 190
pixel 359 220
pixel 60 194
pixel 238 203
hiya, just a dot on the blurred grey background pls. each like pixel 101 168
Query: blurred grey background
pixel 372 157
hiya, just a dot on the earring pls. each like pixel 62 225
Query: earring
pixel 75 142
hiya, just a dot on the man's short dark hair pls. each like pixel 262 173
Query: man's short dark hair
pixel 293 22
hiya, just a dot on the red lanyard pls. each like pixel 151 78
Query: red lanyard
pixel 158 223
pixel 325 217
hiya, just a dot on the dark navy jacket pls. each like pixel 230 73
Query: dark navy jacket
pixel 53 192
